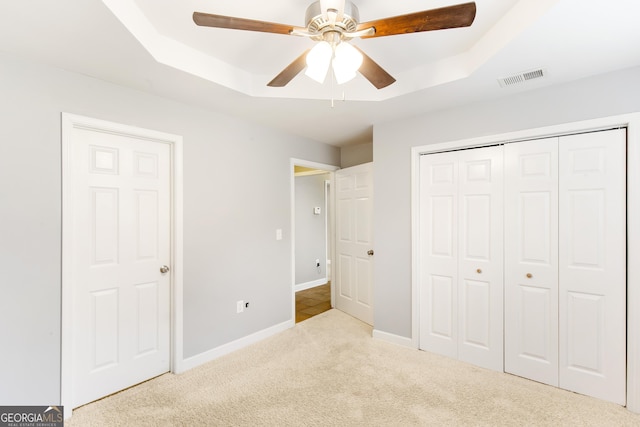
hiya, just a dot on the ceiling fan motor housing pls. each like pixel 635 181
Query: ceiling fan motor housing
pixel 317 23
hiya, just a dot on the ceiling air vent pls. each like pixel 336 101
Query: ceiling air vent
pixel 522 77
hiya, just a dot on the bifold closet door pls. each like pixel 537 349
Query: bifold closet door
pixel 461 289
pixel 439 261
pixel 531 260
pixel 592 264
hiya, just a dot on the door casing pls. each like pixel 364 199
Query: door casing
pixel 69 122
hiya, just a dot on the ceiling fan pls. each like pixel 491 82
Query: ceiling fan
pixel 332 23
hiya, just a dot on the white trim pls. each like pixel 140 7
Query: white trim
pixel 331 231
pixel 633 269
pixel 632 122
pixel 328 233
pixel 69 122
pixel 240 343
pixel 393 339
pixel 66 324
pixel 308 285
pixel 309 173
pixel 292 188
pixel 415 246
pixel 177 302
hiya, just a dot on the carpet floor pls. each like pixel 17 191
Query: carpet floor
pixel 328 371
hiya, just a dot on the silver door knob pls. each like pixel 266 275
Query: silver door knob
pixel 164 269
pixel 370 252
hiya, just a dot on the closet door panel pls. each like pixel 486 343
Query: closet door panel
pixel 480 261
pixel 476 314
pixel 531 266
pixel 593 264
pixel 439 263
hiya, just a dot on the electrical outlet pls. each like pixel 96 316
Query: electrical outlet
pixel 239 306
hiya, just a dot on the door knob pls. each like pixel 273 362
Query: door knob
pixel 164 269
pixel 370 252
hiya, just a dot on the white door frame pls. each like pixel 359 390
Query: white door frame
pixel 69 122
pixel 632 123
pixel 330 214
pixel 328 227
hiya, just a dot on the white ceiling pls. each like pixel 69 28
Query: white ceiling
pixel 154 46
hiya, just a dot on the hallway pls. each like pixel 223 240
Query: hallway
pixel 313 301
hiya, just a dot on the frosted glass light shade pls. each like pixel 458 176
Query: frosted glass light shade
pixel 318 60
pixel 346 62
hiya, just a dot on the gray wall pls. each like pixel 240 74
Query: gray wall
pixel 600 96
pixel 311 232
pixel 353 155
pixel 236 194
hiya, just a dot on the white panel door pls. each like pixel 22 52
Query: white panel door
pixel 461 289
pixel 121 238
pixel 531 260
pixel 480 257
pixel 592 264
pixel 354 243
pixel 439 253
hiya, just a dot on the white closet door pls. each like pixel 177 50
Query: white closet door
pixel 593 264
pixel 439 263
pixel 480 260
pixel 461 290
pixel 531 260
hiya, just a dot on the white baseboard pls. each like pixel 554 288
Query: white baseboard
pixel 392 338
pixel 238 344
pixel 309 285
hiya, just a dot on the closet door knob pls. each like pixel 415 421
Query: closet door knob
pixel 529 275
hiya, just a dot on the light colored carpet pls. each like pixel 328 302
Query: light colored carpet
pixel 328 371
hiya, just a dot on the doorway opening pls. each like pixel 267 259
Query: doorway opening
pixel 312 242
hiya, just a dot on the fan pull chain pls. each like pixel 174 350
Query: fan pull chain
pixel 344 96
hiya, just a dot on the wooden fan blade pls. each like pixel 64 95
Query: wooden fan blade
pixel 461 15
pixel 374 72
pixel 290 71
pixel 220 21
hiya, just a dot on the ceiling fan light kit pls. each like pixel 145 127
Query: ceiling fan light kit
pixel 318 60
pixel 346 62
pixel 332 23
